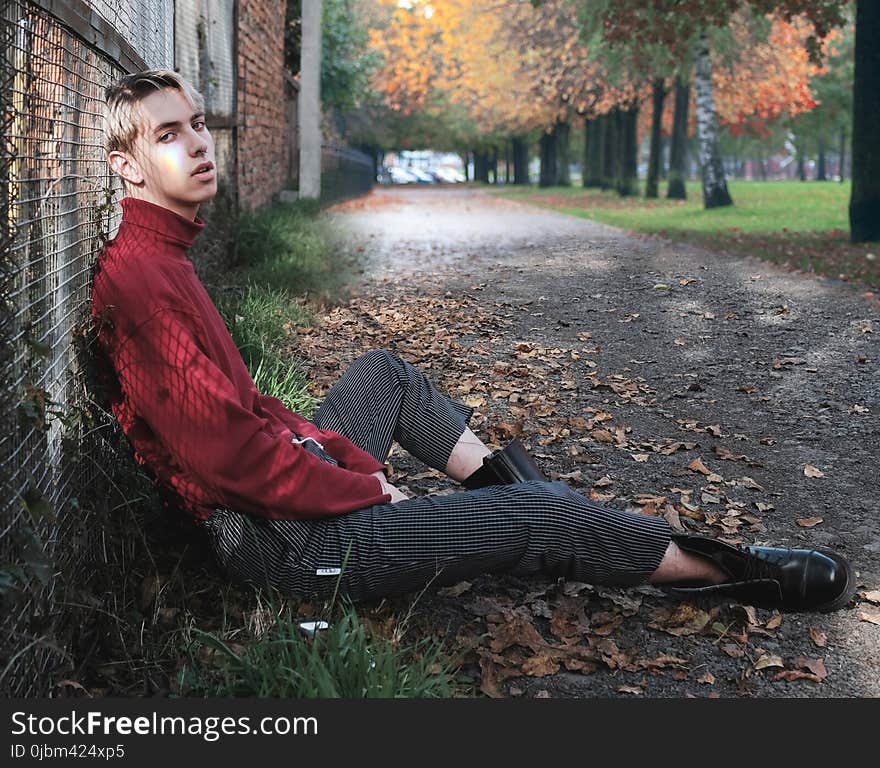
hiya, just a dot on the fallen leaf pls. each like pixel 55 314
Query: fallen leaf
pixel 663 661
pixel 769 660
pixel 683 620
pixel 795 674
pixel 811 471
pixel 872 597
pixel 679 342
pixel 707 678
pixel 698 466
pixel 809 522
pixel 818 637
pixel 641 457
pixel 774 621
pixel 455 590
pixel 631 689
pixel 540 665
pixel 816 666
pixel 672 517
pixel 733 650
pixel 872 617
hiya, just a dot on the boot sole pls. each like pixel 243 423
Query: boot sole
pixel 715 590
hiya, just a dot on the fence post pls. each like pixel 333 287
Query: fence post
pixel 310 102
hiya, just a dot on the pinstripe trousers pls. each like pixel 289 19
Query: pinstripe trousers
pixel 525 528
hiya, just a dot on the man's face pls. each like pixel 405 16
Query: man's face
pixel 171 148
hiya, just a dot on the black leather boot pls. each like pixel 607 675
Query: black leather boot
pixel 511 464
pixel 771 577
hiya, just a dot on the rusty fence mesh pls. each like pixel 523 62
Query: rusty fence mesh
pixel 58 208
pixel 345 173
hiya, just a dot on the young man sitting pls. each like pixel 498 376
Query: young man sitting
pixel 293 503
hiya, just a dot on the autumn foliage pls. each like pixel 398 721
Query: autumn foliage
pixel 513 67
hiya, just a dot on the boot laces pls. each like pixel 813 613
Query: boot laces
pixel 757 568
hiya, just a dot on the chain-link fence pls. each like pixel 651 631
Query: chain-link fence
pixel 57 211
pixel 64 536
pixel 345 173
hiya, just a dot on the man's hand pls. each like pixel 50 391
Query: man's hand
pixel 396 494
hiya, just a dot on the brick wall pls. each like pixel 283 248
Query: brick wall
pixel 263 153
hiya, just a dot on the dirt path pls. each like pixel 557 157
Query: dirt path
pixel 653 376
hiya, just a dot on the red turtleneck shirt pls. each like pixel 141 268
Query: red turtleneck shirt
pixel 185 399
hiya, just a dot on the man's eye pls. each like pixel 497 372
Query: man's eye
pixel 199 124
pixel 164 135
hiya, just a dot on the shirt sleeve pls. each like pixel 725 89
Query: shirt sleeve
pixel 196 411
pixel 337 445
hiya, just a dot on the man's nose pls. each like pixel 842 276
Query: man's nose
pixel 199 142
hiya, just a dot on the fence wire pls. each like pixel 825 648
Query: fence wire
pixel 58 209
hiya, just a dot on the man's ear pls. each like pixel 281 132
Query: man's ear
pixel 124 165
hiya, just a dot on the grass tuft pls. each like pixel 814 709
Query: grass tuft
pixel 344 661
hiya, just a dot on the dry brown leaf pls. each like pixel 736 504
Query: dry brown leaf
pixel 663 661
pixel 515 631
pixel 603 481
pixel 811 471
pixel 455 590
pixel 769 660
pixel 774 622
pixel 602 435
pixel 818 637
pixel 707 678
pixel 796 674
pixel 809 522
pixel 540 665
pixel 640 457
pixel 816 666
pixel 872 596
pixel 635 690
pixel 672 517
pixel 698 466
pixel 727 455
pixel 683 620
pixel 733 650
pixel 872 617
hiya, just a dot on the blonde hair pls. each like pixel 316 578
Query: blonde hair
pixel 122 117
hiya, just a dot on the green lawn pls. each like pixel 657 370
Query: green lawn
pixel 803 225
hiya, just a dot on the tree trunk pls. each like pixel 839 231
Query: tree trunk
pixel 715 192
pixel 563 172
pixel 520 161
pixel 593 153
pixel 548 160
pixel 658 97
pixel 466 158
pixel 628 175
pixel 492 161
pixel 481 167
pixel 609 149
pixel 864 205
pixel 842 154
pixel 678 146
pixel 801 162
pixel 821 174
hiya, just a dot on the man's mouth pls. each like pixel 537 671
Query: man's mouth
pixel 204 168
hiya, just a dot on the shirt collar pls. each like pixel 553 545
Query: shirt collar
pixel 165 223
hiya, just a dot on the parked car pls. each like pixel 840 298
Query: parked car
pixel 448 175
pixel 423 176
pixel 399 175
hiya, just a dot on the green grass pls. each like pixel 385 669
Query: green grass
pixel 804 225
pixel 285 246
pixel 344 661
